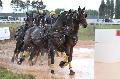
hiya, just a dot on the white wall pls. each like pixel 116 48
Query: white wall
pixel 107 45
pixel 4 33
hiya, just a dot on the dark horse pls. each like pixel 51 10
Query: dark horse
pixel 20 33
pixel 61 37
pixel 73 20
pixel 29 41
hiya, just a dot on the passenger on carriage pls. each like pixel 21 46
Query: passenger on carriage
pixel 39 18
pixel 51 18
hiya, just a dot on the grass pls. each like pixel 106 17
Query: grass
pixel 5 74
pixel 86 33
pixel 12 26
pixel 89 32
pixel 107 26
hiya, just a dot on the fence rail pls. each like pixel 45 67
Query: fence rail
pixel 89 21
pixel 11 21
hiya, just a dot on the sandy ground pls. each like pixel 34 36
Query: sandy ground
pixel 83 62
pixel 107 70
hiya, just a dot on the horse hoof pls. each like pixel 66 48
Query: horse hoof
pixel 31 63
pixel 41 64
pixel 62 63
pixel 12 60
pixel 72 72
pixel 52 71
pixel 53 76
pixel 19 63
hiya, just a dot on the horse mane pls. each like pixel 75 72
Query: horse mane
pixel 60 20
pixel 76 26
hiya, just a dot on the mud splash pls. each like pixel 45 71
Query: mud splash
pixel 83 64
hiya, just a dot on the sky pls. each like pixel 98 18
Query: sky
pixel 53 4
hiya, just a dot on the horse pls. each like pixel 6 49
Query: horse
pixel 20 33
pixel 39 24
pixel 78 18
pixel 70 39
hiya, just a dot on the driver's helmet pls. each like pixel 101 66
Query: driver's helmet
pixel 52 13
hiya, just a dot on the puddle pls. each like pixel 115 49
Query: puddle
pixel 83 50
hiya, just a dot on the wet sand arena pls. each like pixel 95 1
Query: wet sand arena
pixel 83 63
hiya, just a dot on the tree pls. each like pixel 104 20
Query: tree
pixel 58 10
pixel 34 4
pixel 38 5
pixel 27 4
pixel 0 3
pixel 15 4
pixel 117 9
pixel 47 12
pixel 112 8
pixel 102 9
pixel 91 12
pixel 108 9
pixel 22 5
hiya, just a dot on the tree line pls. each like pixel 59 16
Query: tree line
pixel 109 9
pixel 22 6
pixel 19 5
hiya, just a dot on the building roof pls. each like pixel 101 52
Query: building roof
pixel 13 14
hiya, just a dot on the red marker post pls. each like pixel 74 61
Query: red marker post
pixel 117 32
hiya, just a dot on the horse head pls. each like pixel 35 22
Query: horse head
pixel 29 20
pixel 39 20
pixel 82 17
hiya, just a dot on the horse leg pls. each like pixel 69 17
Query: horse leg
pixel 23 54
pixel 32 54
pixel 42 57
pixel 69 60
pixel 16 51
pixel 52 54
pixel 49 59
pixel 37 54
pixel 15 55
pixel 65 61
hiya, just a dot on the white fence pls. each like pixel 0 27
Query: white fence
pixel 11 21
pixel 107 45
pixel 95 21
pixel 89 21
